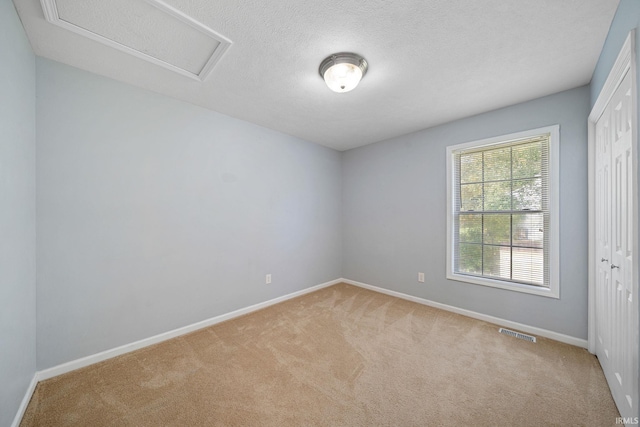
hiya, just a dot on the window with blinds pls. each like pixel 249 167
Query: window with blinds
pixel 500 210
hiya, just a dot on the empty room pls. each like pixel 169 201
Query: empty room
pixel 360 213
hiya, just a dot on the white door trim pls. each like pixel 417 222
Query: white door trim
pixel 626 62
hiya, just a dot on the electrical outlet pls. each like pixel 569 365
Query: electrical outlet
pixel 267 279
pixel 421 277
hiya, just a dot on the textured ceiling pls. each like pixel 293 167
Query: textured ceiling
pixel 431 61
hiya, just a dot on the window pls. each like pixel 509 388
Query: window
pixel 502 222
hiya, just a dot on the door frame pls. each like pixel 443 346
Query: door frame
pixel 626 62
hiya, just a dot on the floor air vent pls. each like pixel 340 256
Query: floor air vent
pixel 517 335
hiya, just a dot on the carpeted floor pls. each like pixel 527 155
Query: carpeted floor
pixel 341 356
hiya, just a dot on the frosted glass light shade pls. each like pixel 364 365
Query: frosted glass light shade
pixel 343 71
pixel 342 77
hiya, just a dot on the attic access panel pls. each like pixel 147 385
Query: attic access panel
pixel 148 29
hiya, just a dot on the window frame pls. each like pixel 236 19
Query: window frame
pixel 553 291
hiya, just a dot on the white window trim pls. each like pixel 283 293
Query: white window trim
pixel 554 210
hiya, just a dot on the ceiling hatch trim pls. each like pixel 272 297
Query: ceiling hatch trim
pixel 52 15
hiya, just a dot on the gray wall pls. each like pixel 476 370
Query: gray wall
pixel 17 213
pixel 154 214
pixel 394 214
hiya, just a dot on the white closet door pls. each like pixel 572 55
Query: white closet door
pixel 616 313
pixel 603 238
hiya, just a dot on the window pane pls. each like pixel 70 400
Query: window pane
pixel 497 196
pixel 527 160
pixel 528 230
pixel 497 164
pixel 497 229
pixel 501 211
pixel 470 260
pixel 471 197
pixel 497 262
pixel 527 194
pixel 470 228
pixel 471 167
pixel 528 265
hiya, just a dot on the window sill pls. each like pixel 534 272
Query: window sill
pixel 517 287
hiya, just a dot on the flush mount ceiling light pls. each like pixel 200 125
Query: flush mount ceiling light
pixel 342 71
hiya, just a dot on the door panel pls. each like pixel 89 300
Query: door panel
pixel 603 249
pixel 616 314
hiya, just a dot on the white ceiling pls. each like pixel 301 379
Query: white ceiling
pixel 430 61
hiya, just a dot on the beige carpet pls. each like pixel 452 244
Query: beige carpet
pixel 341 356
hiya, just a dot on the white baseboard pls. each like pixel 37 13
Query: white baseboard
pixel 108 354
pixel 579 342
pixel 25 401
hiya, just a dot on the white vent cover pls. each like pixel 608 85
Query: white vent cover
pixel 148 29
pixel 518 335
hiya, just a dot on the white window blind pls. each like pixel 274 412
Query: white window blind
pixel 501 216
